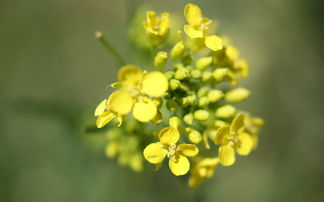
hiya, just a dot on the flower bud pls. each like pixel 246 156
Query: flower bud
pixel 169 74
pixel 189 100
pixel 242 68
pixel 194 135
pixel 219 123
pixel 201 115
pixel 225 111
pixel 182 73
pixel 237 95
pixel 171 105
pixel 160 59
pixel 203 101
pixel 206 76
pixel 215 95
pixel 195 73
pixel 220 73
pixel 112 149
pixel 203 63
pixel 174 84
pixel 202 92
pixel 177 50
pixel 174 122
pixel 188 119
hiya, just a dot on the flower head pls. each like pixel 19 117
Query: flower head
pixel 157 27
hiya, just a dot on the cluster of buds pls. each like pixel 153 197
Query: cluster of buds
pixel 184 105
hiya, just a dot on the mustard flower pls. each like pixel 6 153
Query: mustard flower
pixel 157 27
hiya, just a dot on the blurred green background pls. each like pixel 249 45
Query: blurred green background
pixel 53 73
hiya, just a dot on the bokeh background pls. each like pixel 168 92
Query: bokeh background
pixel 53 72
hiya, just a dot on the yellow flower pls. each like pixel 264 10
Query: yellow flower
pixel 199 28
pixel 204 169
pixel 233 138
pixel 177 154
pixel 156 27
pixel 137 90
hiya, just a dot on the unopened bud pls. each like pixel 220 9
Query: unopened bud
pixel 203 101
pixel 215 95
pixel 195 73
pixel 204 62
pixel 169 74
pixel 177 50
pixel 206 76
pixel 201 115
pixel 188 118
pixel 189 100
pixel 174 122
pixel 182 73
pixel 237 95
pixel 220 73
pixel 225 111
pixel 194 135
pixel 160 59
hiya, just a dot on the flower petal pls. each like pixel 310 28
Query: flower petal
pixel 188 149
pixel 155 84
pixel 104 118
pixel 221 134
pixel 237 123
pixel 179 166
pixel 154 153
pixel 193 14
pixel 192 32
pixel 144 111
pixel 120 102
pixel 245 145
pixel 130 75
pixel 100 108
pixel 226 155
pixel 214 43
pixel 169 136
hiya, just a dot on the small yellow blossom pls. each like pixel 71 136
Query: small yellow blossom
pixel 157 27
pixel 203 169
pixel 177 154
pixel 233 138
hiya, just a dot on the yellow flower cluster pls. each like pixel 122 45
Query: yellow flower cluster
pixel 183 109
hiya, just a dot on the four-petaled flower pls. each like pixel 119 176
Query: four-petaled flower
pixel 199 28
pixel 136 93
pixel 157 27
pixel 233 138
pixel 177 154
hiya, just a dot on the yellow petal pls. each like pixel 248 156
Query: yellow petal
pixel 104 118
pixel 100 108
pixel 188 149
pixel 226 155
pixel 169 136
pixel 193 14
pixel 221 134
pixel 214 43
pixel 144 110
pixel 192 32
pixel 155 84
pixel 164 25
pixel 179 166
pixel 154 153
pixel 120 102
pixel 130 75
pixel 245 144
pixel 232 53
pixel 237 123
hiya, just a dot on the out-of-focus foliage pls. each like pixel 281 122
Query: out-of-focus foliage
pixel 47 77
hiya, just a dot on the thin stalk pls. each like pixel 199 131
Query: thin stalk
pixel 110 48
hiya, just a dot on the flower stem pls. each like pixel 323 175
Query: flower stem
pixel 110 48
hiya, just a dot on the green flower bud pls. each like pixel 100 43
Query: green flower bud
pixel 160 59
pixel 215 95
pixel 237 95
pixel 201 115
pixel 206 76
pixel 174 84
pixel 188 119
pixel 112 149
pixel 204 62
pixel 171 105
pixel 220 73
pixel 202 91
pixel 177 50
pixel 189 100
pixel 157 119
pixel 225 111
pixel 174 122
pixel 182 73
pixel 203 101
pixel 195 73
pixel 194 135
pixel 169 74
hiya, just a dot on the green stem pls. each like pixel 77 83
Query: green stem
pixel 110 48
